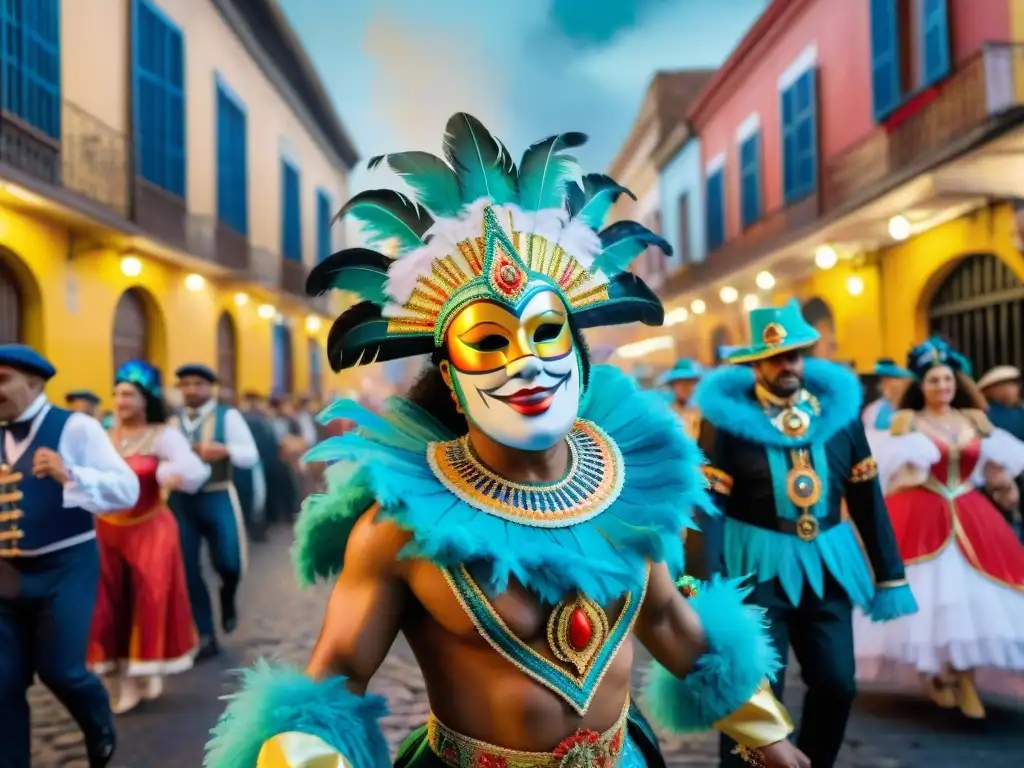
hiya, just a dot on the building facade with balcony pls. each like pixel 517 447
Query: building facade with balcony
pixel 635 167
pixel 169 170
pixel 867 158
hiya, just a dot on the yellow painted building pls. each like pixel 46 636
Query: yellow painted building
pixel 137 219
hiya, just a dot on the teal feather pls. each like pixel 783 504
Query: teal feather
pixel 481 162
pixel 388 215
pixel 434 182
pixel 740 657
pixel 545 171
pixel 622 242
pixel 602 557
pixel 767 555
pixel 357 270
pixel 892 603
pixel 725 397
pixel 591 203
pixel 278 699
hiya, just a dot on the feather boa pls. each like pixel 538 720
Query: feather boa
pixel 385 461
pixel 725 397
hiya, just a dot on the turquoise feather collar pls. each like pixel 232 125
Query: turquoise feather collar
pixel 603 556
pixel 725 397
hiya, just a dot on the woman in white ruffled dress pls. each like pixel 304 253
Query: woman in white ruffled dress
pixel 963 561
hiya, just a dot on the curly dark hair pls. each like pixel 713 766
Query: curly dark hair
pixel 156 409
pixel 966 396
pixel 430 392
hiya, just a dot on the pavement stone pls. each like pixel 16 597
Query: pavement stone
pixel 280 621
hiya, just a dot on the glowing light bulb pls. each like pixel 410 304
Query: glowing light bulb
pixel 826 257
pixel 241 299
pixel 899 228
pixel 195 282
pixel 697 307
pixel 312 324
pixel 266 311
pixel 676 316
pixel 131 266
pixel 728 294
pixel 855 285
pixel 765 280
pixel 750 301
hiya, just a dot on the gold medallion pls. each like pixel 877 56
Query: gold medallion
pixel 773 334
pixel 577 630
pixel 803 487
pixel 807 527
pixel 793 422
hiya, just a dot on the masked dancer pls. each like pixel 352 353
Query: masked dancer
pixel 142 628
pixel 57 470
pixel 785 447
pixel 518 518
pixel 963 560
pixel 221 438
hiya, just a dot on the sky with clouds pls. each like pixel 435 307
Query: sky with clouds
pixel 398 69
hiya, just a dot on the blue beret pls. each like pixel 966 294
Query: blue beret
pixel 82 394
pixel 26 359
pixel 197 369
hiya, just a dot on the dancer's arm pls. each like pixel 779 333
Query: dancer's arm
pixel 713 658
pixel 99 480
pixel 180 467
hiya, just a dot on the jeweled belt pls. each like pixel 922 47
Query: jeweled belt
pixel 583 749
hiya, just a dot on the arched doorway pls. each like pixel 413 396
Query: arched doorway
pixel 819 314
pixel 316 374
pixel 979 308
pixel 720 339
pixel 131 335
pixel 227 353
pixel 282 370
pixel 12 307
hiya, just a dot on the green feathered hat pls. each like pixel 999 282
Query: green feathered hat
pixel 480 227
pixel 773 331
pixel 685 369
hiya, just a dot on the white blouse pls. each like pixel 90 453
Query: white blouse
pixel 177 458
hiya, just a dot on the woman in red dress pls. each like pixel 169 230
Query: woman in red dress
pixel 142 627
pixel 963 561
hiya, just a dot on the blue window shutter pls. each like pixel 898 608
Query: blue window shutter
pixel 232 159
pixel 291 213
pixel 750 179
pixel 885 58
pixel 30 63
pixel 935 42
pixel 800 137
pixel 323 225
pixel 158 96
pixel 715 191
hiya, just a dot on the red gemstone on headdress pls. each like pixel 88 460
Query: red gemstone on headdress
pixel 508 277
pixel 581 630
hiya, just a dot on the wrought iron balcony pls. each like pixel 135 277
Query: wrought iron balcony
pixel 293 277
pixel 215 242
pixel 942 120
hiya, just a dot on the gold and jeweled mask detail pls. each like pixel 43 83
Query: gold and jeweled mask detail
pixel 503 265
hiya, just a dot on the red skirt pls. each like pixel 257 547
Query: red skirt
pixel 925 523
pixel 142 624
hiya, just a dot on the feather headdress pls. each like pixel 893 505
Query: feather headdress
pixel 481 227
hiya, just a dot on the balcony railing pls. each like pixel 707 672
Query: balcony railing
pixel 293 277
pixel 985 87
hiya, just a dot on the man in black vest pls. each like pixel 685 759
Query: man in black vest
pixel 57 470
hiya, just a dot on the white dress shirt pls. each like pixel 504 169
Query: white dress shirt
pixel 178 459
pixel 99 479
pixel 237 436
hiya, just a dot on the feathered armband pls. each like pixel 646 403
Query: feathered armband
pixel 281 711
pixel 739 658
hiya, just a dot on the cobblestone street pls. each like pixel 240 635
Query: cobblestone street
pixel 279 621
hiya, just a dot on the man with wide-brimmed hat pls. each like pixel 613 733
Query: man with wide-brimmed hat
pixel 892 383
pixel 682 378
pixel 785 447
pixel 220 436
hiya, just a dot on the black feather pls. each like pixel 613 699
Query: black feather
pixel 324 276
pixel 374 161
pixel 360 336
pixel 629 301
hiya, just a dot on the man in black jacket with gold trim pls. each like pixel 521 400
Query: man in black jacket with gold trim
pixel 786 447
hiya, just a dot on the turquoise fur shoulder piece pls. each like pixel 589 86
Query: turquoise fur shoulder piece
pixel 725 397
pixel 276 700
pixel 604 556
